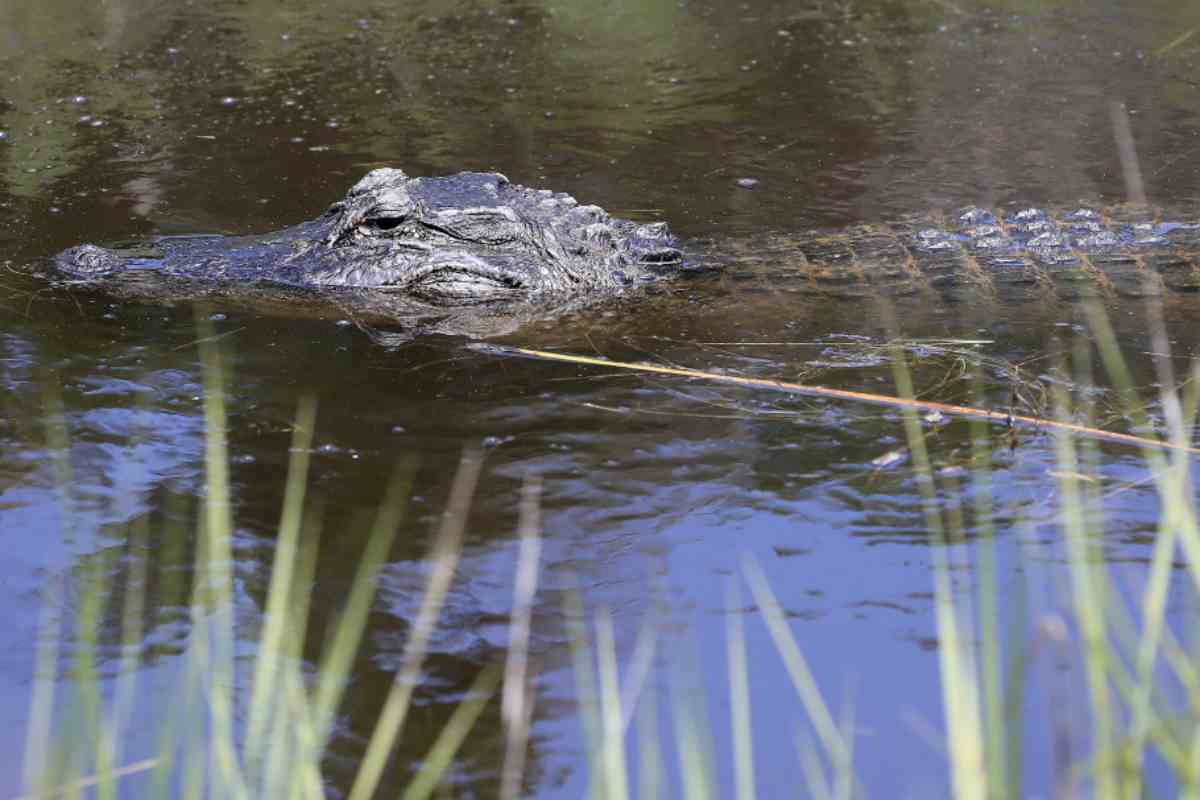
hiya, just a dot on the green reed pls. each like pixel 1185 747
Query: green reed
pixel 76 736
pixel 260 726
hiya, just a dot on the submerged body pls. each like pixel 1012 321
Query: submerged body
pixel 475 248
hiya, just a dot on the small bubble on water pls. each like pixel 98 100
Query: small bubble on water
pixel 398 429
pixel 97 123
pixel 79 99
pixel 343 323
pixel 85 119
pixel 496 441
pixel 218 317
pixel 3 135
pixel 297 140
pixel 333 123
pixel 55 209
pixel 244 458
pixel 747 183
pixel 229 100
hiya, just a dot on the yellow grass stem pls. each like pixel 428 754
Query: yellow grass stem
pixel 447 548
pixel 739 692
pixel 441 754
pixel 994 417
pixel 1175 43
pixel 91 781
pixel 616 781
pixel 585 688
pixel 641 662
pixel 805 684
pixel 348 633
pixel 218 533
pixel 112 733
pixel 996 745
pixel 517 700
pixel 814 772
pixel 1089 604
pixel 687 715
pixel 276 617
pixel 960 687
pixel 41 704
pixel 649 758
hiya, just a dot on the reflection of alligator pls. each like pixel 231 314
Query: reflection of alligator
pixel 471 249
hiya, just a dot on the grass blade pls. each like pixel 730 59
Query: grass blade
pixel 739 692
pixel 275 616
pixel 441 754
pixel 444 560
pixel 516 705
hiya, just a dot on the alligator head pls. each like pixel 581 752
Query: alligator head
pixel 457 240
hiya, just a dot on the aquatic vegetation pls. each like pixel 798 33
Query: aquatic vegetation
pixel 248 711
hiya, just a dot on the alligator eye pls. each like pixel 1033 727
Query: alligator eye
pixel 383 223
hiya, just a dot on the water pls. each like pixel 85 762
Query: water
pixel 139 117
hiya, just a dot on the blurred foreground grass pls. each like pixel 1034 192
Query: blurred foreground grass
pixel 271 740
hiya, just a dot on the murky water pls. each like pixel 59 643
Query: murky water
pixel 137 117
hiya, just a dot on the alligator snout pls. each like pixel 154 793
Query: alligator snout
pixel 89 260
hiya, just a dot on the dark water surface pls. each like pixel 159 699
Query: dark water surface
pixel 131 118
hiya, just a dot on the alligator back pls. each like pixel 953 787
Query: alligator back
pixel 1012 255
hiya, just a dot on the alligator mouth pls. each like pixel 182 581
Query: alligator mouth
pixel 662 258
pixel 464 283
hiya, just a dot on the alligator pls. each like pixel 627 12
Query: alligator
pixel 473 246
pixel 463 239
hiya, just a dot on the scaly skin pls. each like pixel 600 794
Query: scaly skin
pixel 472 239
pixel 464 239
pixel 976 253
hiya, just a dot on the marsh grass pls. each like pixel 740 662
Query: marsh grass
pixel 275 743
pixel 260 726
